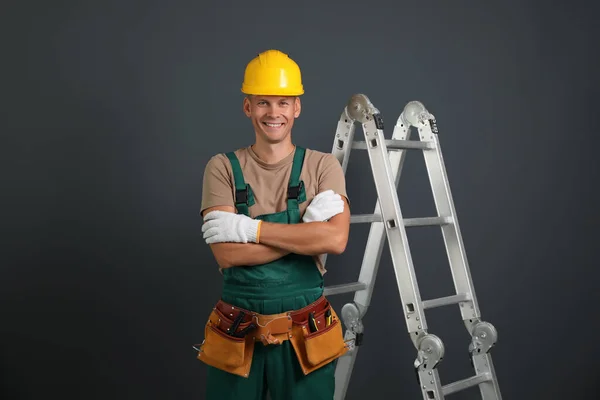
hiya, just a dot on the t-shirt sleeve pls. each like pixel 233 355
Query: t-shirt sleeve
pixel 332 176
pixel 217 184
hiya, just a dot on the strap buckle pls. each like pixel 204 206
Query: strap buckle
pixel 241 196
pixel 293 192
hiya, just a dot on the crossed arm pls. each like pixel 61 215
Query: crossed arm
pixel 278 240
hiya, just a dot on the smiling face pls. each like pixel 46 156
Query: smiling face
pixel 272 116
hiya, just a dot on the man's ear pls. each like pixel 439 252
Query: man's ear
pixel 246 106
pixel 297 107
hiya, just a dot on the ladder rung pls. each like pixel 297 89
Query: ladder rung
pixel 365 218
pixel 344 288
pixel 408 222
pixel 427 221
pixel 444 301
pixel 393 144
pixel 466 383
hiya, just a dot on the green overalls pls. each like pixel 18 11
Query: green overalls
pixel 289 283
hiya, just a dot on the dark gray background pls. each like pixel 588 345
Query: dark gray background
pixel 112 108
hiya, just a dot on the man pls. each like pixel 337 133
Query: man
pixel 270 210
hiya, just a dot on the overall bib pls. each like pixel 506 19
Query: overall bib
pixel 289 283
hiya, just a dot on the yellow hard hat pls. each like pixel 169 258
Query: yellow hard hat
pixel 272 73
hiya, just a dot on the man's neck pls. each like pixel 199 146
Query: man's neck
pixel 272 153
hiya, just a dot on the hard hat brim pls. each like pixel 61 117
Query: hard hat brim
pixel 278 92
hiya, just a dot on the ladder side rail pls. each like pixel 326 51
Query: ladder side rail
pixel 377 234
pixel 369 269
pixel 394 226
pixel 483 334
pixel 453 241
pixel 341 149
pixel 430 348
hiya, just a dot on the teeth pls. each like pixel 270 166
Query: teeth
pixel 273 125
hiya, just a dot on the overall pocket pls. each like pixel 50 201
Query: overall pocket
pixel 223 351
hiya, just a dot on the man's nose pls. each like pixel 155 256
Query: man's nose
pixel 273 112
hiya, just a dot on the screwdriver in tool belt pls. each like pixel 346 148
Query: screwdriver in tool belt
pixel 312 322
pixel 328 317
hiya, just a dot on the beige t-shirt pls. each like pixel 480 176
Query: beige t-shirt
pixel 269 182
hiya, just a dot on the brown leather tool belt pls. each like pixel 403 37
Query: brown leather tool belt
pixel 269 329
pixel 231 332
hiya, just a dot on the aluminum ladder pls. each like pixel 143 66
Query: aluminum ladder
pixel 386 159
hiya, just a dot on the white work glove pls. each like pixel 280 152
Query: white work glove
pixel 222 226
pixel 323 206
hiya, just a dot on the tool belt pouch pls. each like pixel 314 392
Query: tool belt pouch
pixel 316 349
pixel 222 350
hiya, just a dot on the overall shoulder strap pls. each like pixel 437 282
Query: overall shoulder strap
pixel 296 193
pixel 244 197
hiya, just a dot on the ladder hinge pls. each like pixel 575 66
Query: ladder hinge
pixel 378 121
pixel 433 125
